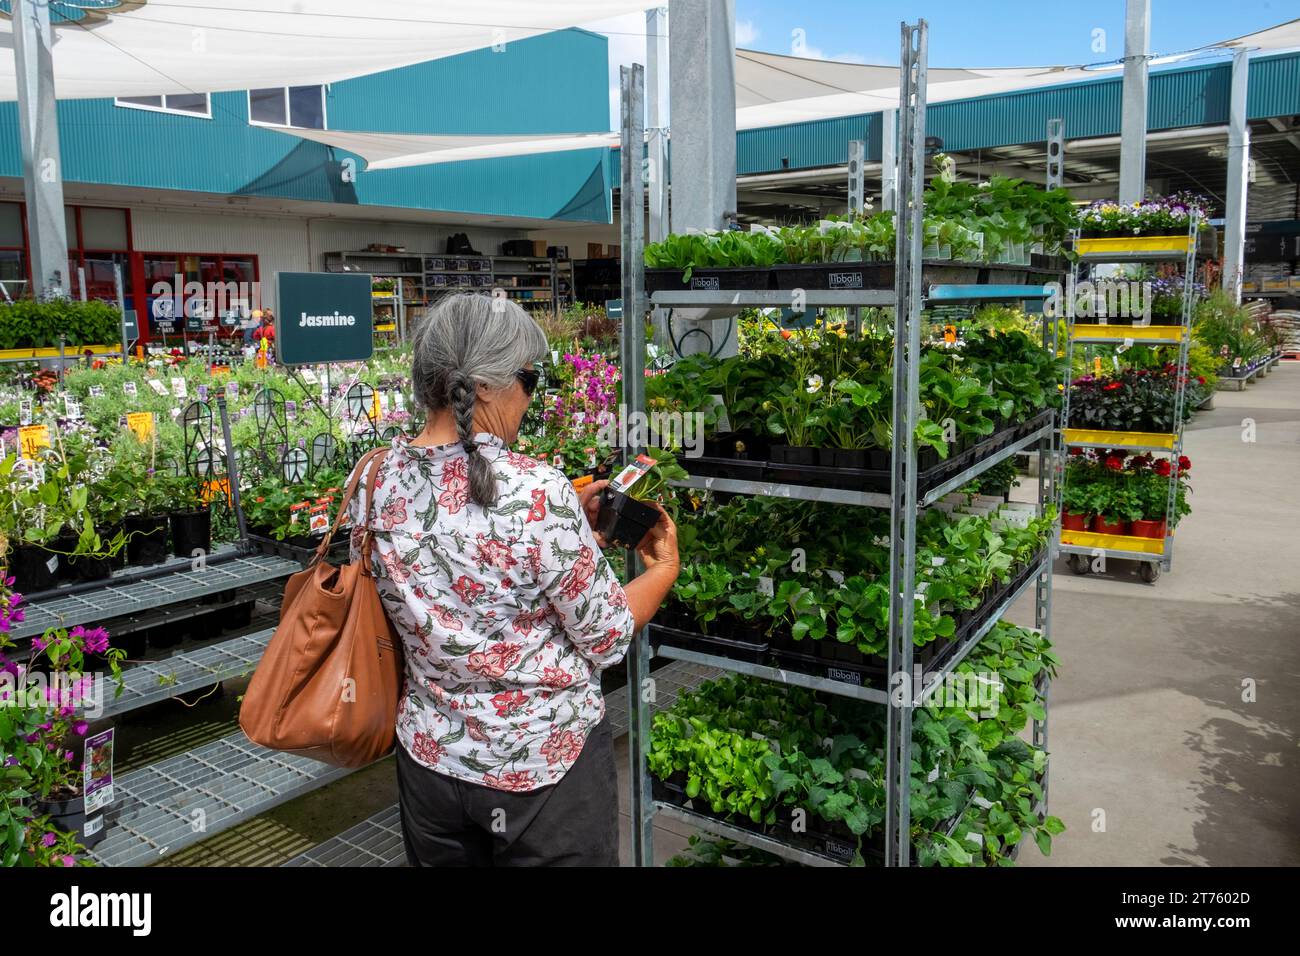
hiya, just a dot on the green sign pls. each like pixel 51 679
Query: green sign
pixel 323 317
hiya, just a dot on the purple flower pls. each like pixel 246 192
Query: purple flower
pixel 49 839
pixel 80 728
pixel 69 861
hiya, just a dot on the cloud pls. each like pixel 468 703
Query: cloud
pixel 746 32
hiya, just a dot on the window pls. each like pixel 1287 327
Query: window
pixel 184 104
pixel 301 106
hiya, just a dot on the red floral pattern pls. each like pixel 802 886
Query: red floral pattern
pixel 507 614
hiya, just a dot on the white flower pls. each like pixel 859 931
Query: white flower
pixel 814 384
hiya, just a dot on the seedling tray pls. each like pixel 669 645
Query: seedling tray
pixel 753 651
pixel 932 472
pixel 302 549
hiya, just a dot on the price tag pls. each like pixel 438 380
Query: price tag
pixel 159 387
pixel 141 423
pixel 178 388
pixel 25 412
pixel 1096 365
pixel 950 334
pixel 129 389
pixel 32 438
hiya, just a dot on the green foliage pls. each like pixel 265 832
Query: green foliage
pixel 27 323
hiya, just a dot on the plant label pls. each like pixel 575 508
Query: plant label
pixel 178 388
pixel 290 411
pixel 1236 363
pixel 97 391
pixel 634 472
pixel 53 564
pixel 320 519
pixel 158 387
pixel 32 438
pixel 836 576
pixel 141 423
pixel 766 586
pixel 401 402
pixel 309 377
pixel 25 412
pixel 97 771
pixel 232 391
pixel 71 408
pixel 203 393
pixel 296 511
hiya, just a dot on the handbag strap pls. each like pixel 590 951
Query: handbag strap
pixel 370 460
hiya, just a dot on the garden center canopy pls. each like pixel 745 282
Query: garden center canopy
pixel 106 48
pixel 771 90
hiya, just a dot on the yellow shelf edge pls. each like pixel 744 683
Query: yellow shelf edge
pixel 1121 244
pixel 1135 332
pixel 72 351
pixel 1113 542
pixel 1100 436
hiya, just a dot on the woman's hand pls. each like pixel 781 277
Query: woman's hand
pixel 589 498
pixel 659 547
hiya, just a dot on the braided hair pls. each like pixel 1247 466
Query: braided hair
pixel 465 341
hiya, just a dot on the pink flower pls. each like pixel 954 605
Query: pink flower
pixel 49 839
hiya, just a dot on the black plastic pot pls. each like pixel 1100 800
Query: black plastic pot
pixel 191 531
pixel 135 643
pixel 849 458
pixel 880 459
pixel 623 520
pixel 146 539
pixel 70 816
pixel 75 569
pixel 793 454
pixel 168 634
pixel 31 567
pixel 670 280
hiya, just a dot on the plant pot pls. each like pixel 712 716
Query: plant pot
pixel 624 520
pixel 120 559
pixel 191 531
pixel 1073 522
pixel 1147 529
pixel 793 454
pixel 1101 526
pixel 135 643
pixel 146 539
pixel 80 568
pixel 167 635
pixel 848 458
pixel 33 568
pixel 70 816
pixel 880 459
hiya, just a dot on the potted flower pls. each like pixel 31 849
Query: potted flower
pixel 626 514
pixel 146 499
pixel 55 760
pixel 1112 499
pixel 190 515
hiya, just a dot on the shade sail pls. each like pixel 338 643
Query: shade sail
pixel 396 150
pixel 145 48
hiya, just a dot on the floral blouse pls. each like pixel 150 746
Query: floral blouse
pixel 506 614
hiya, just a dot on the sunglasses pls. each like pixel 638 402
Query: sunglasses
pixel 528 378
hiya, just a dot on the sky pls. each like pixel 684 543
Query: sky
pixel 963 32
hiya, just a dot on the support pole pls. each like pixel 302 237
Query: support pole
pixel 856 190
pixel 702 85
pixel 888 159
pixel 42 164
pixel 632 223
pixel 1234 219
pixel 1055 154
pixel 907 410
pixel 656 58
pixel 1133 122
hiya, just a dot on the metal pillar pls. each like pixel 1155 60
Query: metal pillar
pixel 1133 123
pixel 888 163
pixel 1055 154
pixel 656 53
pixel 42 165
pixel 1234 229
pixel 702 79
pixel 857 159
pixel 632 212
pixel 902 514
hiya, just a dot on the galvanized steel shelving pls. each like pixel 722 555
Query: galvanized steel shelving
pixel 903 500
pixel 1083 547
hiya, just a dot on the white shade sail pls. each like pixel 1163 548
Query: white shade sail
pixel 395 150
pixel 144 48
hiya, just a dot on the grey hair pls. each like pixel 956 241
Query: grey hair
pixel 468 340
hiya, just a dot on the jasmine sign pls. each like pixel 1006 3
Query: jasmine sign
pixel 323 317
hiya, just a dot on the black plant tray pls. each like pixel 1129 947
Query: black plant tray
pixel 302 548
pixel 754 651
pixel 709 280
pixel 827 658
pixel 933 472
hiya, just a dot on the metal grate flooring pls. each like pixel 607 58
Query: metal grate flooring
pixel 112 600
pixel 150 682
pixel 373 842
pixel 378 840
pixel 186 798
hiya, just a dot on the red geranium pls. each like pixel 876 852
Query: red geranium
pixel 1184 463
pixel 1111 386
pixel 1114 462
pixel 1162 467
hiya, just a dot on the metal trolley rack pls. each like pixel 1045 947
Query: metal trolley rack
pixel 1084 547
pixel 903 499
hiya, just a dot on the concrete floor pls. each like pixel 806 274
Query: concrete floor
pixel 1156 757
pixel 1159 754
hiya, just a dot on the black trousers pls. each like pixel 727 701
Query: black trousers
pixel 448 822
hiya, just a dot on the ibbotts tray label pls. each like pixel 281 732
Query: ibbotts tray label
pixel 709 283
pixel 844 280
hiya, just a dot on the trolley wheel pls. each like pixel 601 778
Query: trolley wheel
pixel 1079 563
pixel 1150 571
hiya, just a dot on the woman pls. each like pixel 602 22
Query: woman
pixel 489 570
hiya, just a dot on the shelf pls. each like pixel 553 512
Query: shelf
pixel 1128 441
pixel 772 298
pixel 1134 334
pixel 119 599
pixel 983 465
pixel 771 489
pixel 1115 545
pixel 1133 248
pixel 151 682
pixel 227 781
pixel 374 842
pixel 974 293
pixel 932 679
pixel 741 835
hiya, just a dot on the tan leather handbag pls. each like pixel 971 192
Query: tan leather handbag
pixel 327 686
